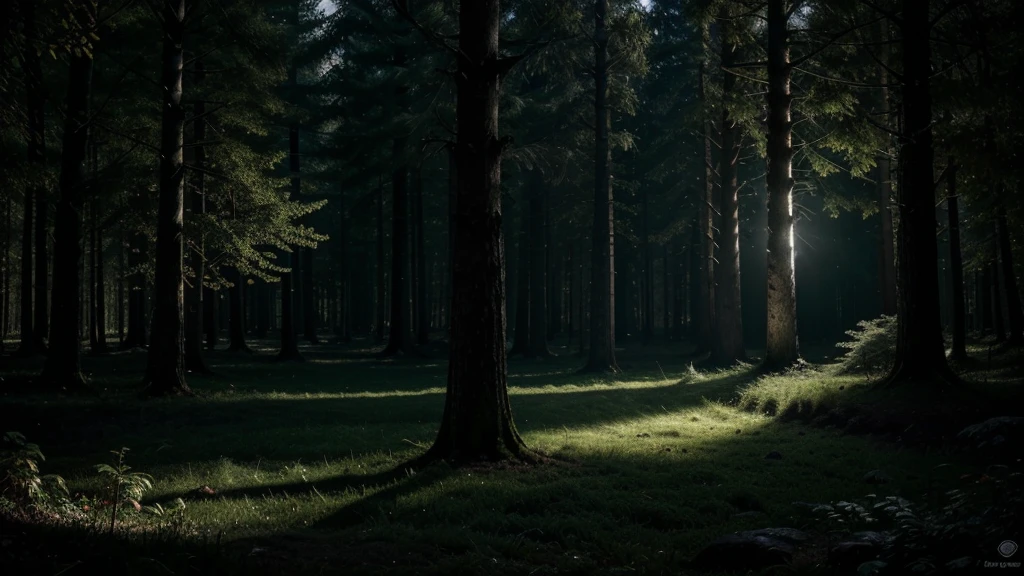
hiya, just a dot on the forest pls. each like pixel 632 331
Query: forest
pixel 578 287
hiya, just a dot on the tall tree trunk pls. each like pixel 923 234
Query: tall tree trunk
pixel 648 279
pixel 887 275
pixel 309 300
pixel 289 340
pixel 1013 305
pixel 194 290
pixel 422 281
pixel 5 284
pixel 538 268
pixel 345 298
pixel 666 315
pixel 400 333
pixel 553 258
pixel 120 277
pixel 98 281
pixel 956 264
pixel 62 369
pixel 477 422
pixel 521 343
pixel 998 321
pixel 703 306
pixel 920 354
pixel 727 344
pixel 35 92
pixel 781 345
pixel 165 362
pixel 381 314
pixel 236 319
pixel 91 281
pixel 602 292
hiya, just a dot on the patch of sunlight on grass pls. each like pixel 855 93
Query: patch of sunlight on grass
pixel 800 392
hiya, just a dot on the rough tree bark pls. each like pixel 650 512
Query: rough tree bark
pixel 781 345
pixel 956 264
pixel 920 354
pixel 165 361
pixel 703 305
pixel 601 357
pixel 887 265
pixel 727 343
pixel 477 422
pixel 63 369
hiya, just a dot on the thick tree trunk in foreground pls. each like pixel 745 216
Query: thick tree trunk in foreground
pixel 165 363
pixel 63 369
pixel 538 269
pixel 920 354
pixel 781 350
pixel 727 344
pixel 601 356
pixel 477 422
pixel 956 264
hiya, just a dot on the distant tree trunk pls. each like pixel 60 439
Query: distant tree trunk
pixel 211 317
pixel 538 268
pixel 703 305
pixel 1013 305
pixel 453 198
pixel 553 258
pixel 727 344
pixel 602 292
pixel 477 422
pixel 345 298
pixel 571 294
pixel 521 342
pixel 62 369
pixel 781 349
pixel 309 300
pixel 648 283
pixel 381 280
pixel 165 362
pixel 289 340
pixel 194 290
pixel 884 169
pixel 666 315
pixel 422 281
pixel 91 259
pixel 101 295
pixel 35 92
pixel 920 354
pixel 956 264
pixel 399 335
pixel 120 280
pixel 998 322
pixel 5 285
pixel 236 318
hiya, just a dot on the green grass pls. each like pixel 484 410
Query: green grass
pixel 306 461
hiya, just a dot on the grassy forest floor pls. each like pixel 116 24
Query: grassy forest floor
pixel 297 468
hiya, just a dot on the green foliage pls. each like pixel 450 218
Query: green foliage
pixel 21 482
pixel 873 348
pixel 123 485
pixel 962 519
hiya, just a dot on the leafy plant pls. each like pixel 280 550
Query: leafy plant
pixel 20 480
pixel 125 486
pixel 873 348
